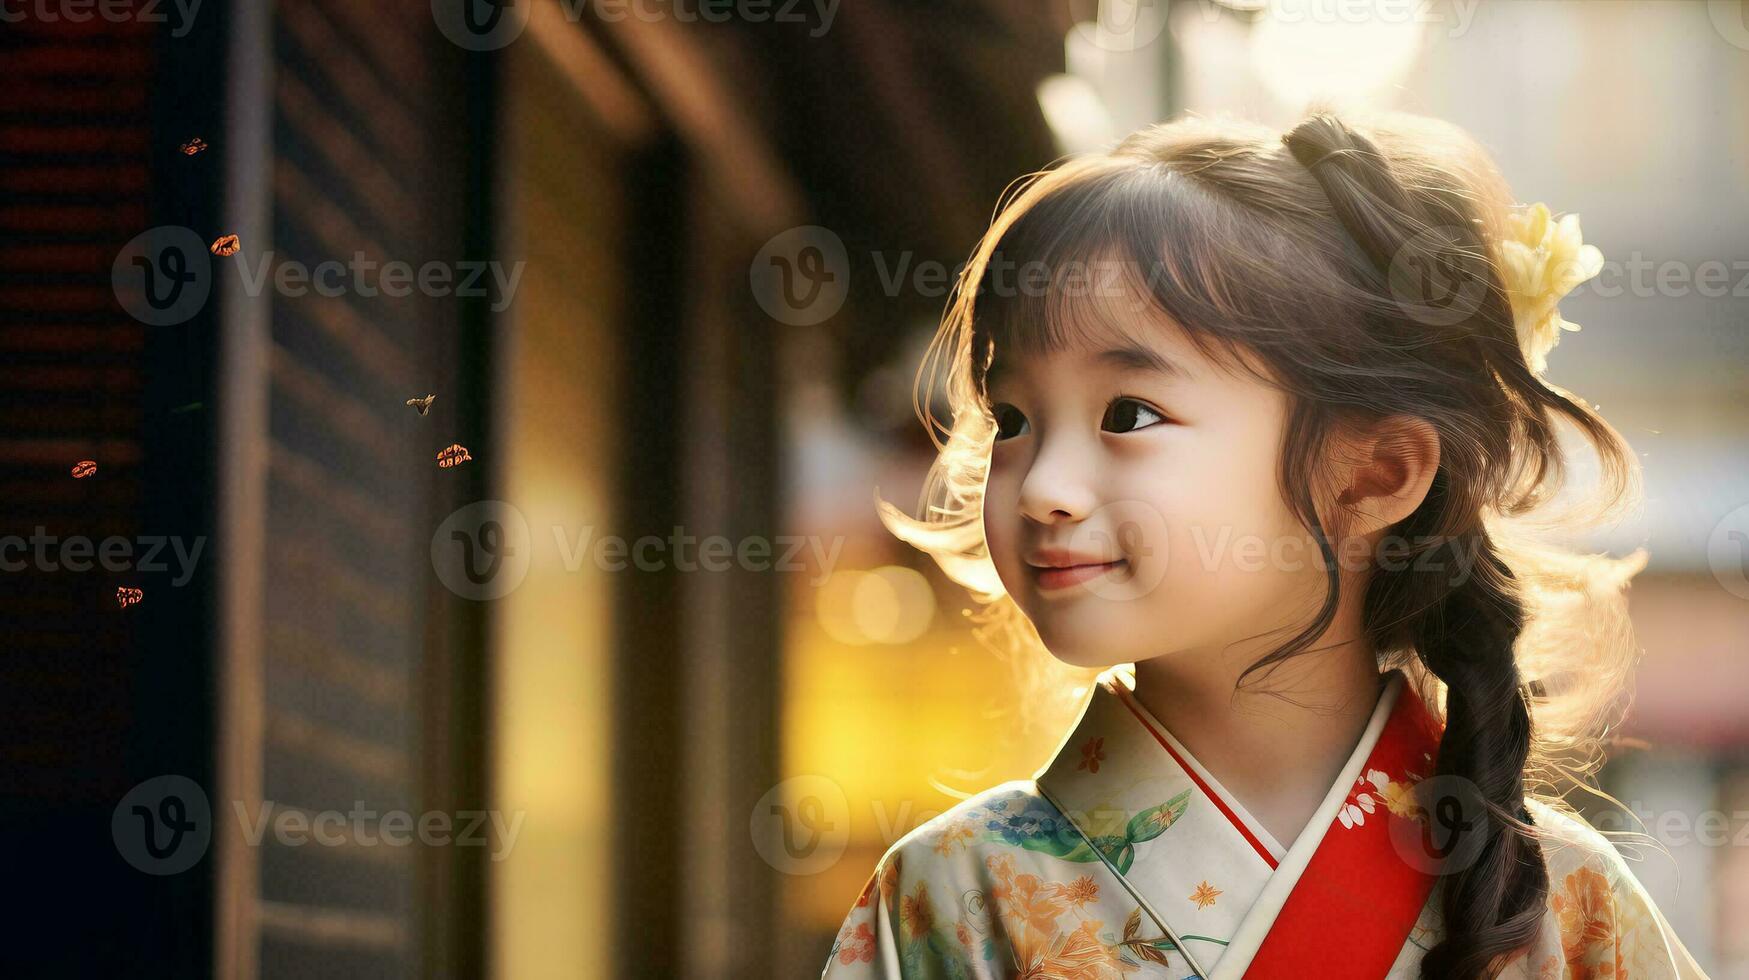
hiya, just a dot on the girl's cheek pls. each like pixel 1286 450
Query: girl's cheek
pixel 999 519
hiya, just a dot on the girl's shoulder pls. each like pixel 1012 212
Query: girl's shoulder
pixel 1599 915
pixel 956 838
pixel 1573 848
pixel 923 910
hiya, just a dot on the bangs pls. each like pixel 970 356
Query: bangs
pixel 1113 256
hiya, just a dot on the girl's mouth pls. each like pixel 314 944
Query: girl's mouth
pixel 1052 579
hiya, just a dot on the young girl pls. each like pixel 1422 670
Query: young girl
pixel 1262 415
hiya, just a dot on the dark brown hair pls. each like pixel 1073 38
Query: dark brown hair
pixel 1357 260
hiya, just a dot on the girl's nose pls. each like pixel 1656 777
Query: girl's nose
pixel 1059 486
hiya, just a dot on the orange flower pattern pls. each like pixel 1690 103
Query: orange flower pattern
pixel 956 835
pixel 1601 925
pixel 1607 926
pixel 1030 906
pixel 915 910
pixel 1582 905
pixel 1082 890
pixel 1092 754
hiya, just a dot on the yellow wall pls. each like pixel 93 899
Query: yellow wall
pixel 550 906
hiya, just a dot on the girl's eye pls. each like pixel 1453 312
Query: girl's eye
pixel 1128 415
pixel 1009 421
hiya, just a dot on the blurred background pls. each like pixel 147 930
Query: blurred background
pixel 644 672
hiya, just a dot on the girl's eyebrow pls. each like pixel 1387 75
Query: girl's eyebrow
pixel 1134 357
pixel 1127 357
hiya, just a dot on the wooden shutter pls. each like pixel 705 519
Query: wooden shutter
pixel 332 682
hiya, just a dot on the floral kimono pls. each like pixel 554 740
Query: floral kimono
pixel 1124 857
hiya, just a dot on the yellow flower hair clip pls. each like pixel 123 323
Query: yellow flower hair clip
pixel 1543 260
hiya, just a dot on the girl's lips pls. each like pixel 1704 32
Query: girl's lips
pixel 1061 578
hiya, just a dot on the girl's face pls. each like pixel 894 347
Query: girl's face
pixel 1132 509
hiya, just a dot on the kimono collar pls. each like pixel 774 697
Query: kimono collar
pixel 1209 873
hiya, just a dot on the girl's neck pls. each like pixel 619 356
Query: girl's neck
pixel 1278 745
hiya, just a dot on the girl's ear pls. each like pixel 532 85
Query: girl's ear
pixel 1385 474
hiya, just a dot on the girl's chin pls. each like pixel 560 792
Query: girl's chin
pixel 1095 641
pixel 1092 662
pixel 1087 652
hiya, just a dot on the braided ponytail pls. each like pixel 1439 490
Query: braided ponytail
pixel 1464 633
pixel 1494 905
